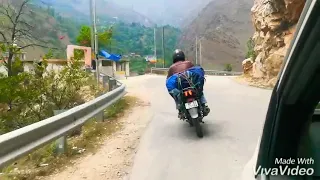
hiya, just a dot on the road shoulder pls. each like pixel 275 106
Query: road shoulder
pixel 115 157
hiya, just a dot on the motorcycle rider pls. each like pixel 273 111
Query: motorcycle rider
pixel 181 65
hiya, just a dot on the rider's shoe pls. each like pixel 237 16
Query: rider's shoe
pixel 206 110
pixel 180 115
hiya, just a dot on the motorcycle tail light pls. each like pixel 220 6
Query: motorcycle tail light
pixel 188 93
pixel 190 99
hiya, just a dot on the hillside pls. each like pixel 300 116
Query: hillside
pixel 106 11
pixel 139 39
pixel 43 27
pixel 58 31
pixel 225 27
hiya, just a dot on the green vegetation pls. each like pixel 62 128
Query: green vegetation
pixel 135 38
pixel 140 39
pixel 250 51
pixel 84 37
pixel 228 67
pixel 138 65
pixel 29 97
pixel 26 98
pixel 45 161
pixel 59 30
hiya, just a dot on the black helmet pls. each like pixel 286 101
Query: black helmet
pixel 178 55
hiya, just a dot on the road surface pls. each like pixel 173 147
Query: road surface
pixel 169 148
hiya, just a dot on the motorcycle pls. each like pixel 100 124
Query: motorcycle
pixel 192 109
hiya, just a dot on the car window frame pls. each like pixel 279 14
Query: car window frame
pixel 265 149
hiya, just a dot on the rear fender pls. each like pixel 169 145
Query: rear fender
pixel 193 112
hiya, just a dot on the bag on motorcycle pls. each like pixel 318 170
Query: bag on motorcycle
pixel 177 82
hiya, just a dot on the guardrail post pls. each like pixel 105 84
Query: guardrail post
pixel 112 84
pixel 100 116
pixel 88 69
pixel 61 143
pixel 105 81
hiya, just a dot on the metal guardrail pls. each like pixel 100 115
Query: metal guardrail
pixel 208 72
pixel 22 141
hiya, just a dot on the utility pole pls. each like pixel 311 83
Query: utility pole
pixel 200 53
pixel 155 45
pixel 163 51
pixel 196 49
pixel 91 28
pixel 96 40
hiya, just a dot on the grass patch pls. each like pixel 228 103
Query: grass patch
pixel 44 161
pixel 97 91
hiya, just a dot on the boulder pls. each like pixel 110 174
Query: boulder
pixel 247 66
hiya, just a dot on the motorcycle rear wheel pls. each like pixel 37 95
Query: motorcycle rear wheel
pixel 198 127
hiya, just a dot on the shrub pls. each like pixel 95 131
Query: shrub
pixel 250 51
pixel 29 97
pixel 228 67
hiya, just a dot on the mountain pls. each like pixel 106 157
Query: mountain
pixel 58 30
pixel 36 23
pixel 173 12
pixel 224 27
pixel 106 10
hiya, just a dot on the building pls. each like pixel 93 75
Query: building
pixel 5 56
pixel 119 70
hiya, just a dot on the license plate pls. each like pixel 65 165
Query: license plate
pixel 192 104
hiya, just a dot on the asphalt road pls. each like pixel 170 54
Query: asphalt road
pixel 170 149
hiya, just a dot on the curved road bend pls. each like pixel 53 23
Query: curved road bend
pixel 170 149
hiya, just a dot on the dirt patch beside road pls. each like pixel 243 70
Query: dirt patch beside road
pixel 259 83
pixel 114 158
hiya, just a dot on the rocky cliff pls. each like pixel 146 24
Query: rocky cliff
pixel 274 23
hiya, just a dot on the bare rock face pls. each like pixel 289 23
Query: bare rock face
pixel 274 22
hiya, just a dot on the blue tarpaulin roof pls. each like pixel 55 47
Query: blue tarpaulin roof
pixel 112 57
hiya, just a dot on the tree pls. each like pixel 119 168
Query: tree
pixel 84 37
pixel 18 29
